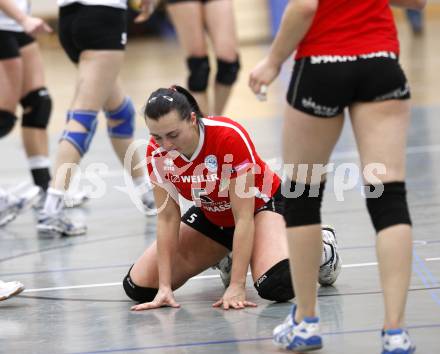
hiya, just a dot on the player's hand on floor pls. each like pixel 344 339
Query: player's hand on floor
pixel 164 297
pixel 234 297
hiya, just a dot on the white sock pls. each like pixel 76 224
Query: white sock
pixel 38 161
pixel 54 201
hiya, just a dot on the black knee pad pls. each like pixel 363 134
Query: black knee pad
pixel 7 122
pixel 276 284
pixel 302 208
pixel 138 293
pixel 227 71
pixel 198 73
pixel 37 106
pixel 390 208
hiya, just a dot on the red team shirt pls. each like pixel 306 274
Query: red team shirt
pixel 224 152
pixel 350 27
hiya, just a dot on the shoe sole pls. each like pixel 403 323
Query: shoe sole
pixel 299 349
pixel 412 351
pixel 336 275
pixel 16 292
pixel 307 349
pixel 6 220
pixel 56 231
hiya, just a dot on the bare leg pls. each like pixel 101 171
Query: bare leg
pixel 35 140
pixel 270 246
pixel 381 132
pixel 10 79
pixel 187 18
pixel 97 72
pixel 120 145
pixel 305 242
pixel 196 253
pixel 219 18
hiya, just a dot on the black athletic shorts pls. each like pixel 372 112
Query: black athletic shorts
pixel 196 219
pixel 324 85
pixel 11 42
pixel 84 27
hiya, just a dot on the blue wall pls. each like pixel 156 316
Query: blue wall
pixel 276 13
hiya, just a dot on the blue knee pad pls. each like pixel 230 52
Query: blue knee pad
pixel 81 140
pixel 126 114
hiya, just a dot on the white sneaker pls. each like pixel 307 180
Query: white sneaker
pixel 59 224
pixel 10 289
pixel 300 337
pixel 8 212
pixel 397 341
pixel 329 272
pixel 225 268
pixel 17 200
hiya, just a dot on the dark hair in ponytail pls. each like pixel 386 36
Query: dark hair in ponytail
pixel 165 100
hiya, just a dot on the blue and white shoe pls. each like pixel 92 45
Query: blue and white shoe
pixel 397 341
pixel 301 337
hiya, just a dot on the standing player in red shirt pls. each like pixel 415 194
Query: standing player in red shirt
pixel 347 57
pixel 238 207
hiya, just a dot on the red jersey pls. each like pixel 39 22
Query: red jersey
pixel 225 151
pixel 350 27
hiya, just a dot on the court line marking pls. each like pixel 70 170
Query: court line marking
pixel 428 279
pixel 111 238
pixel 356 265
pixel 198 277
pixel 245 340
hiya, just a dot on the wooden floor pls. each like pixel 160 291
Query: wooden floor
pixel 74 302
